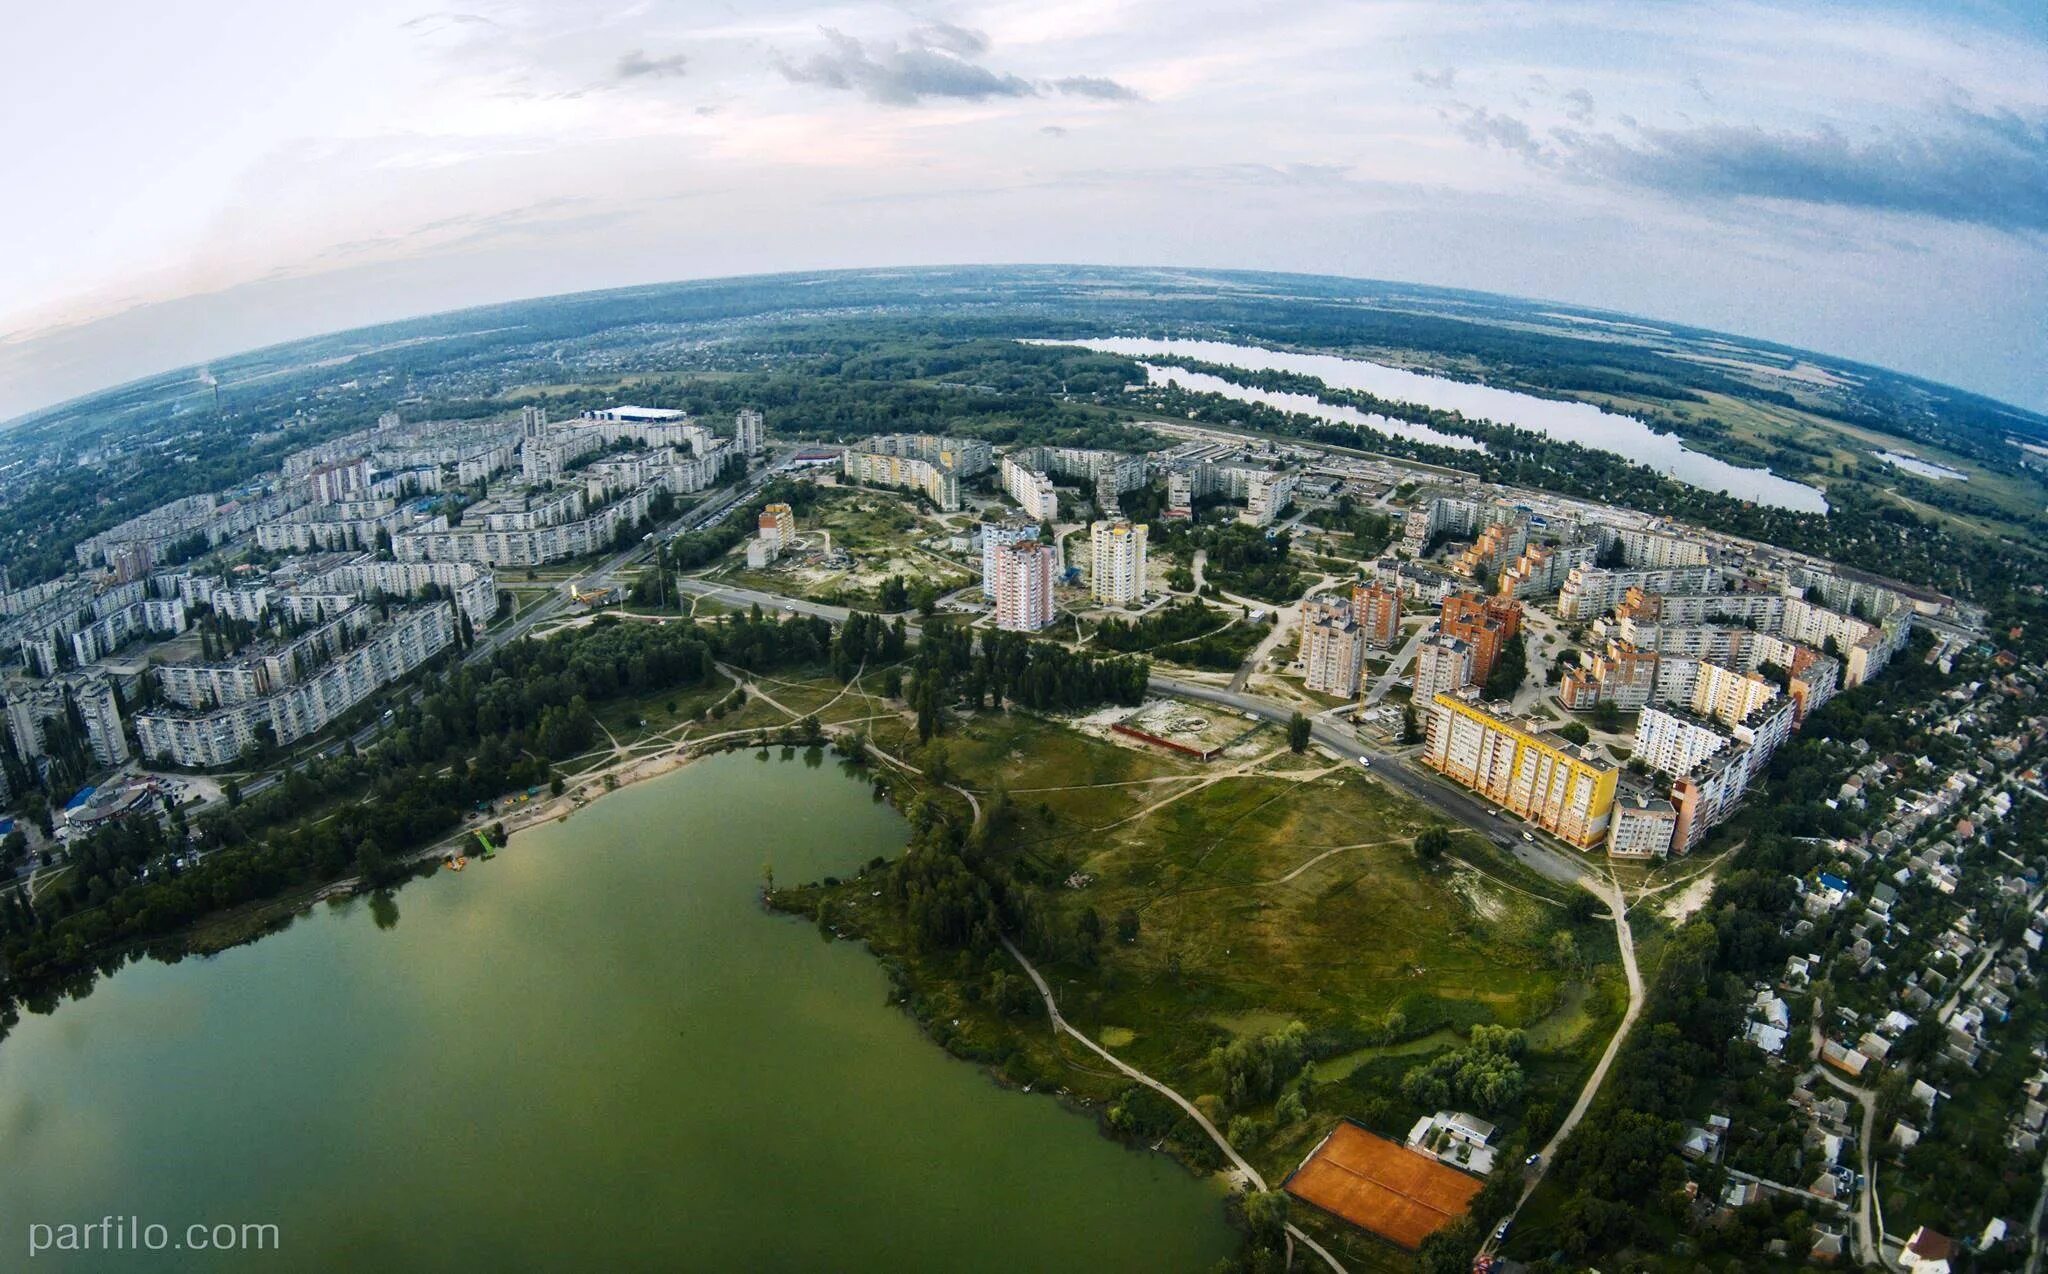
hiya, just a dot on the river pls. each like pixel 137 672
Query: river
pixel 595 1051
pixel 1567 421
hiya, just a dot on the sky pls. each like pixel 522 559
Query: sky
pixel 187 181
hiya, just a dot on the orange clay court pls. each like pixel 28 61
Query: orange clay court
pixel 1382 1186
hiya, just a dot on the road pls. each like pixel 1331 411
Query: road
pixel 1561 866
pixel 1625 937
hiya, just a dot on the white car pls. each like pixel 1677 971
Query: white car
pixel 1365 761
pixel 1530 837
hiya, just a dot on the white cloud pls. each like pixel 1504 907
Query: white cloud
pixel 512 147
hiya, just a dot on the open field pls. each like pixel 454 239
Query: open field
pixel 1267 888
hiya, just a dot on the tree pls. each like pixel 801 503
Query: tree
pixel 1411 729
pixel 1298 732
pixel 1127 926
pixel 1576 731
pixel 1582 907
pixel 370 863
pixel 1431 844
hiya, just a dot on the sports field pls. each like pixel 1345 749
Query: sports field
pixel 1382 1186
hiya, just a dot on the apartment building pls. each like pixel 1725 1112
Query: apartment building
pixel 1267 496
pixel 777 525
pixel 1484 623
pixel 1542 569
pixel 994 535
pixel 1673 741
pixel 1589 591
pixel 219 735
pixel 1332 646
pixel 1621 675
pixel 1643 826
pixel 528 541
pixel 36 710
pixel 1024 577
pixel 749 432
pixel 474 588
pixel 1118 553
pixel 1033 491
pixel 1443 665
pixel 1707 796
pixel 1552 783
pixel 1377 610
pixel 924 463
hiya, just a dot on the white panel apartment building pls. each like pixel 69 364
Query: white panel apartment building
pixel 1443 665
pixel 749 433
pixel 1590 590
pixel 521 540
pixel 1025 570
pixel 1033 491
pixel 474 588
pixel 1332 646
pixel 928 463
pixel 1268 495
pixel 218 736
pixel 1118 550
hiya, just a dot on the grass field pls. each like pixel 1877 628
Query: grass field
pixel 1268 889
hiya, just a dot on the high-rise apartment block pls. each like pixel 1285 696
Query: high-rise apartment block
pixel 1118 550
pixel 994 536
pixel 1377 610
pixel 1554 784
pixel 1024 575
pixel 1332 646
pixel 748 432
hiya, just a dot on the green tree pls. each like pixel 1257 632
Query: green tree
pixel 1432 843
pixel 1298 730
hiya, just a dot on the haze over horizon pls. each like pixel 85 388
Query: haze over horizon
pixel 1872 186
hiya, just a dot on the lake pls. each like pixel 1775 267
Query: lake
pixel 1925 468
pixel 595 1051
pixel 1567 421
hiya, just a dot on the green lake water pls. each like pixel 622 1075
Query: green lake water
pixel 594 1052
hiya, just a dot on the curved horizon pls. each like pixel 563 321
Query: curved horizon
pixel 199 366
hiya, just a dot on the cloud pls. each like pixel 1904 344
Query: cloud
pixel 1053 130
pixel 637 65
pixel 1096 86
pixel 903 76
pixel 1443 80
pixel 1482 127
pixel 963 42
pixel 1578 105
pixel 1964 166
pixel 1978 168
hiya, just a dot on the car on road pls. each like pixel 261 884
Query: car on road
pixel 1500 1232
pixel 1532 1161
pixel 1365 761
pixel 1530 837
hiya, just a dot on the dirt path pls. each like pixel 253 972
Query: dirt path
pixel 1625 938
pixel 1243 1173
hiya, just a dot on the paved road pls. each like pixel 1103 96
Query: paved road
pixel 1562 866
pixel 1403 658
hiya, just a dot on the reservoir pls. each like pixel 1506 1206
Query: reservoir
pixel 1578 422
pixel 595 1051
